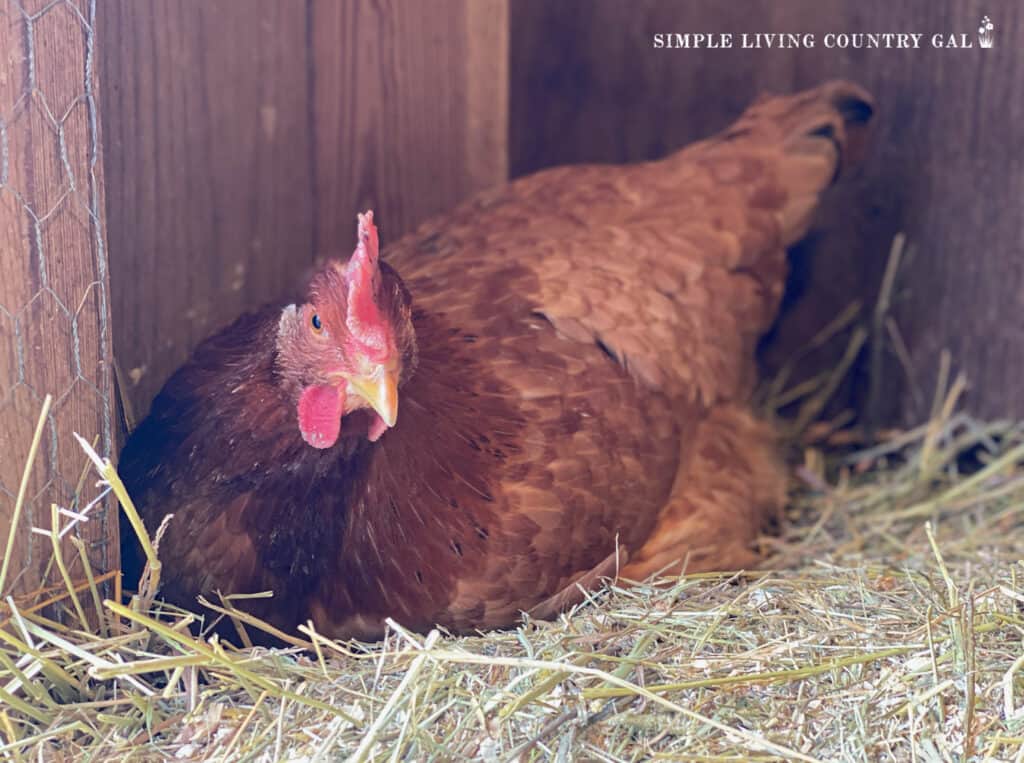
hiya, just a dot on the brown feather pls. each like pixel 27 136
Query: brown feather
pixel 584 363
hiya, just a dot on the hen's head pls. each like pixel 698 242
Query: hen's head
pixel 349 346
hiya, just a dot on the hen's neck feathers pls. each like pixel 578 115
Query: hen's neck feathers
pixel 224 427
pixel 229 400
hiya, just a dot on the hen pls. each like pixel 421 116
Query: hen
pixel 555 390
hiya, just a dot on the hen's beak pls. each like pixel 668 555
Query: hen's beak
pixel 380 392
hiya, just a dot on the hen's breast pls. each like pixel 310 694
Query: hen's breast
pixel 521 458
pixel 573 336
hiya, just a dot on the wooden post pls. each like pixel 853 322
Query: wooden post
pixel 54 308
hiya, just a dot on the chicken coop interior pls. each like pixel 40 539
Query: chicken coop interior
pixel 167 166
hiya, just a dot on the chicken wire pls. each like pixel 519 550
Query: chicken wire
pixel 54 332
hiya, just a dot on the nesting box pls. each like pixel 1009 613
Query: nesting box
pixel 167 164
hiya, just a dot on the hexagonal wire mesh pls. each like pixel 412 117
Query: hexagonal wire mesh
pixel 54 329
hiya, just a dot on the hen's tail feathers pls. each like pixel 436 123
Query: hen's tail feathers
pixel 820 132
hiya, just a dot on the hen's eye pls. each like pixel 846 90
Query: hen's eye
pixel 318 325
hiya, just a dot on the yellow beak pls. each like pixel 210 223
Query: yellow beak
pixel 380 392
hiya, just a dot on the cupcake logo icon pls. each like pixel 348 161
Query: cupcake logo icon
pixel 986 33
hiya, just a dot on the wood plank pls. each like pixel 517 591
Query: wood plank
pixel 409 113
pixel 945 165
pixel 208 170
pixel 54 311
pixel 242 138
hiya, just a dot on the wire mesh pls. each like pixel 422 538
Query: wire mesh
pixel 54 332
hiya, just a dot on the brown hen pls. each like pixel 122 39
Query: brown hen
pixel 572 356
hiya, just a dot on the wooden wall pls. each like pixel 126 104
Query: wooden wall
pixel 241 139
pixel 54 319
pixel 946 165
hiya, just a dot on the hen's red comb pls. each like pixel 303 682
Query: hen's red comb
pixel 365 321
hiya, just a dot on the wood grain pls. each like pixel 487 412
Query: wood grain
pixel 409 110
pixel 54 322
pixel 207 141
pixel 242 138
pixel 945 164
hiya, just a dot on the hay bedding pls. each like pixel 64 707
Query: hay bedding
pixel 888 627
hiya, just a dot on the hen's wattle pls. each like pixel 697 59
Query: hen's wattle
pixel 574 401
